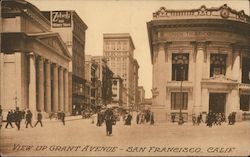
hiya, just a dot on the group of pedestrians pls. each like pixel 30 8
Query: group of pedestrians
pixel 17 116
pixel 110 116
pixel 145 117
pixel 213 119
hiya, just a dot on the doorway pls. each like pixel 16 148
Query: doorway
pixel 217 102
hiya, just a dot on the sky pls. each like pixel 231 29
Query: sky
pixel 127 16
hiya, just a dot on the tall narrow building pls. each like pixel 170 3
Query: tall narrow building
pixel 119 49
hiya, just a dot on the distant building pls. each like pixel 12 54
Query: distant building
pixel 34 62
pixel 105 76
pixel 141 97
pixel 117 87
pixel 119 50
pixel 147 104
pixel 201 62
pixel 135 86
pixel 72 30
pixel 100 77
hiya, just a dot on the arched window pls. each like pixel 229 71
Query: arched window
pixel 180 64
pixel 218 64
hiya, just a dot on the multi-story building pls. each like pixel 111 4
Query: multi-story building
pixel 135 86
pixel 99 77
pixel 91 79
pixel 72 30
pixel 117 86
pixel 119 50
pixel 124 97
pixel 201 61
pixel 34 62
pixel 141 97
pixel 105 75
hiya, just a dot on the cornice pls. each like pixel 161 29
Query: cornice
pixel 223 12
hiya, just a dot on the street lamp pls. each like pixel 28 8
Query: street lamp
pixel 180 122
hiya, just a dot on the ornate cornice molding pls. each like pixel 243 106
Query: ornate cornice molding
pixel 223 12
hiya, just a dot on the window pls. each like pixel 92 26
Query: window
pixel 118 46
pixel 92 92
pixel 180 67
pixel 246 70
pixel 217 64
pixel 245 102
pixel 113 46
pixel 179 99
pixel 107 46
pixel 124 46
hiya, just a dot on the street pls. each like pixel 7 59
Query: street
pixel 81 138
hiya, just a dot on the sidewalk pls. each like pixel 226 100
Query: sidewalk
pixel 67 118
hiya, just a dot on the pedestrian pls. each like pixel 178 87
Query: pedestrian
pixel 210 119
pixel 63 117
pixel 142 118
pixel 147 116
pixel 18 118
pixel 29 119
pixel 194 119
pixel 39 118
pixel 9 120
pixel 1 119
pixel 152 121
pixel 109 121
pixel 199 119
pixel 128 119
pixel 173 118
pixel 137 118
pixel 99 119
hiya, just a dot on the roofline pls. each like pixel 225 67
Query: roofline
pixel 118 36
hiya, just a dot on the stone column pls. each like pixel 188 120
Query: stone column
pixel 32 83
pixel 233 103
pixel 55 88
pixel 40 80
pixel 236 68
pixel 61 90
pixel 47 87
pixel 200 48
pixel 66 90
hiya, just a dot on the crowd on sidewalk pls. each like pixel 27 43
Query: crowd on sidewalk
pixel 16 116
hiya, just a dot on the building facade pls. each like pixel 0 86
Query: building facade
pixel 99 78
pixel 34 62
pixel 201 61
pixel 135 85
pixel 72 30
pixel 141 97
pixel 104 75
pixel 117 87
pixel 119 50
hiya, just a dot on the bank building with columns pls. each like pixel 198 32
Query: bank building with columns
pixel 201 62
pixel 33 61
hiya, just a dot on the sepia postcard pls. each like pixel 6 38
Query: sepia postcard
pixel 125 78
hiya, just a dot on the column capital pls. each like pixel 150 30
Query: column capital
pixel 60 67
pixel 166 45
pixel 200 45
pixel 54 65
pixel 47 61
pixel 236 48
